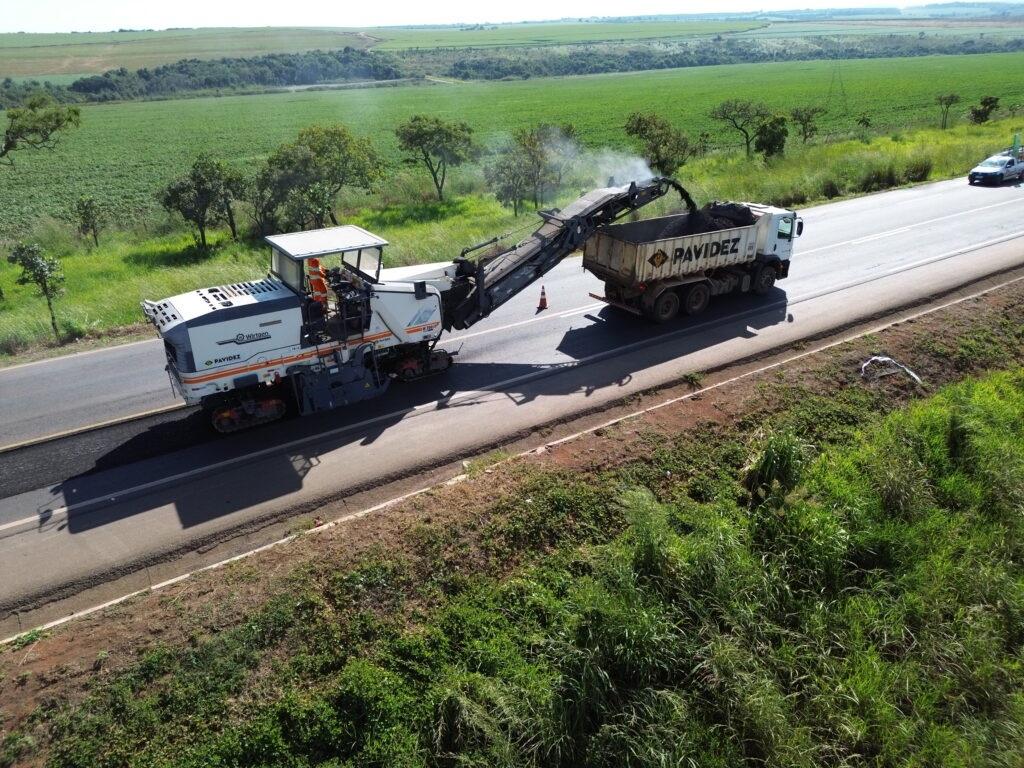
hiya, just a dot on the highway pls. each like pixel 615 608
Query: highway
pixel 119 497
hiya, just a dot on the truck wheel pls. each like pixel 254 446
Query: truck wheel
pixel 665 307
pixel 764 280
pixel 697 298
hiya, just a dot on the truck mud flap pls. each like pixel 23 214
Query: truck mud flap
pixel 618 304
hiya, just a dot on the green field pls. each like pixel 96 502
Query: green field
pixel 90 52
pixel 124 152
pixel 563 33
pixel 39 55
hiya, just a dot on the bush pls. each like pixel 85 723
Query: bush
pixel 918 168
pixel 879 178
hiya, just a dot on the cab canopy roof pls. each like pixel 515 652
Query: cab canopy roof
pixel 323 242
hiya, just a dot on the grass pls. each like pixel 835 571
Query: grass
pixel 124 152
pixel 152 265
pixel 869 607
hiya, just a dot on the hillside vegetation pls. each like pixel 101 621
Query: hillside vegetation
pixel 815 596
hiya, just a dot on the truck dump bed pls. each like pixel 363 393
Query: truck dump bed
pixel 674 246
pixel 499 275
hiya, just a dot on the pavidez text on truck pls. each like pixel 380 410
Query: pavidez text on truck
pixel 327 327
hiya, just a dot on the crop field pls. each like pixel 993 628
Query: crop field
pixel 124 152
pixel 31 55
pixel 563 33
pixel 40 55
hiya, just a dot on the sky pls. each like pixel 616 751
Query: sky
pixel 103 15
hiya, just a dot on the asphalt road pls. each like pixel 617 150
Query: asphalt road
pixel 102 501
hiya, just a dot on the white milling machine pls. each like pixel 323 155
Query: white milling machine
pixel 324 330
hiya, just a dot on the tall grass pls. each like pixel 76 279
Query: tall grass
pixel 825 627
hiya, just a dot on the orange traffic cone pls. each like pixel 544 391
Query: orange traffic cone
pixel 543 304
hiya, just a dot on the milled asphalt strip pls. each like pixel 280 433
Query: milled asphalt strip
pixel 91 427
pixel 461 477
pixel 495 387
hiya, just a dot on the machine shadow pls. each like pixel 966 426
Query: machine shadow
pixel 596 361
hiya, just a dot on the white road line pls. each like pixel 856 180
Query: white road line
pixel 907 228
pixel 491 389
pixel 539 318
pixel 461 477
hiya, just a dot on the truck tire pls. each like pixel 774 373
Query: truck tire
pixel 764 279
pixel 665 307
pixel 698 296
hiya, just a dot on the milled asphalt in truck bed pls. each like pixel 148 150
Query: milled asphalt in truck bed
pixel 847 266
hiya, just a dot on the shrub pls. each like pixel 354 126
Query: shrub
pixel 878 178
pixel 918 168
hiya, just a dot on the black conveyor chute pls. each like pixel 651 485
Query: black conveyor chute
pixel 486 284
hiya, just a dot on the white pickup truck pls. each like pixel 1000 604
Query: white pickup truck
pixel 997 169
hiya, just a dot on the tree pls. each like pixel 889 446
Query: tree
pixel 807 120
pixel 665 147
pixel 437 144
pixel 864 121
pixel 308 207
pixel 770 136
pixel 508 177
pixel 263 193
pixel 327 155
pixel 199 195
pixel 945 102
pixel 88 217
pixel 37 125
pixel 234 188
pixel 982 112
pixel 744 116
pixel 43 272
pixel 533 157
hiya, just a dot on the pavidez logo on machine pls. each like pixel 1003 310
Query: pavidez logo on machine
pixel 246 338
pixel 219 360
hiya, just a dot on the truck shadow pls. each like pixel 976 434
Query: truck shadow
pixel 171 465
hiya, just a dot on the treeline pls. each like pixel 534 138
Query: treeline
pixel 585 60
pixel 192 75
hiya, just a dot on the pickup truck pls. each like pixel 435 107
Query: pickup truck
pixel 996 170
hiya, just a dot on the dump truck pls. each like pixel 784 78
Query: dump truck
pixel 660 267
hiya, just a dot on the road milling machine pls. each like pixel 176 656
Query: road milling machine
pixel 324 330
